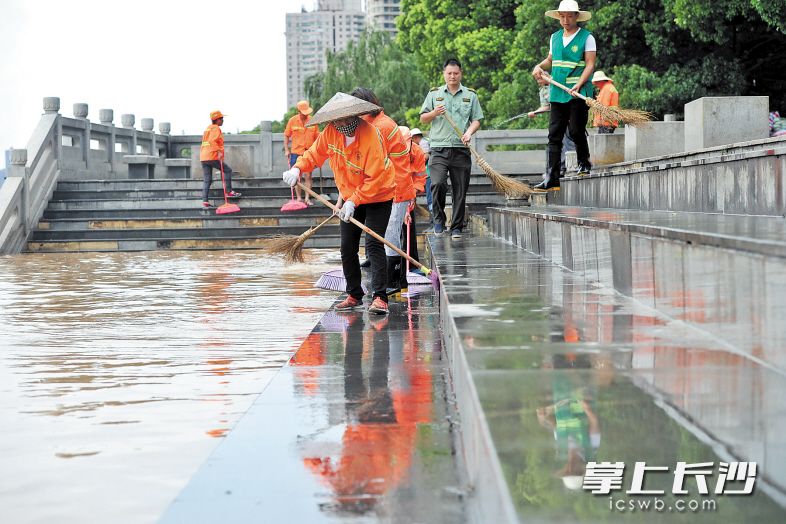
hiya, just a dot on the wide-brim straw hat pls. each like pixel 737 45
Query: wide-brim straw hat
pixel 341 106
pixel 570 6
pixel 600 76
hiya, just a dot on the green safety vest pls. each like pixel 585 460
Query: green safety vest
pixel 567 65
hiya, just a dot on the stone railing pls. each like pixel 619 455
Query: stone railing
pixel 29 186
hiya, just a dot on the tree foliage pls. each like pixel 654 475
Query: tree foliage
pixel 376 62
pixel 662 53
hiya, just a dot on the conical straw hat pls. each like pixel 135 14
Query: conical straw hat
pixel 341 106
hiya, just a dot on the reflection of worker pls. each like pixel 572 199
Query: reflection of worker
pixel 301 137
pixel 572 419
pixel 211 155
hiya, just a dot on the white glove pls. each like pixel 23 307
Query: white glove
pixel 347 210
pixel 292 176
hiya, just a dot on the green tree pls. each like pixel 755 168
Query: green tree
pixel 662 53
pixel 377 62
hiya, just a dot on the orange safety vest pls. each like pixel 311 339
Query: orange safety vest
pixel 609 97
pixel 417 166
pixel 302 137
pixel 362 169
pixel 398 153
pixel 212 144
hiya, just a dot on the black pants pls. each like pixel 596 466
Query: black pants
pixel 606 130
pixel 455 162
pixel 207 174
pixel 375 216
pixel 569 115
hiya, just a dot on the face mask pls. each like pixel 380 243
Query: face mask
pixel 349 129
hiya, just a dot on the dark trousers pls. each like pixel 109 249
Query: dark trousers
pixel 570 115
pixel 455 162
pixel 375 216
pixel 207 174
pixel 606 130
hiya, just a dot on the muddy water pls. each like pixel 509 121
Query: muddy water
pixel 119 373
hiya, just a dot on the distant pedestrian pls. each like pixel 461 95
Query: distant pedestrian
pixel 211 155
pixel 609 97
pixel 301 137
pixel 450 156
pixel 571 59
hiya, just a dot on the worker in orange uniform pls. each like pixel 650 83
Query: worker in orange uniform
pixel 417 170
pixel 398 153
pixel 366 182
pixel 211 155
pixel 609 97
pixel 301 136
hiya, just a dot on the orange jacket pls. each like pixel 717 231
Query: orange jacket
pixel 212 144
pixel 362 169
pixel 302 137
pixel 609 97
pixel 398 153
pixel 417 166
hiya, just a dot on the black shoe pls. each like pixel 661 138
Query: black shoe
pixel 584 169
pixel 549 183
pixel 366 263
pixel 455 234
pixel 391 291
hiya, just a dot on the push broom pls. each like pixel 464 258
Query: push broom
pixel 291 246
pixel 510 187
pixel 631 117
pixel 226 207
pixel 433 276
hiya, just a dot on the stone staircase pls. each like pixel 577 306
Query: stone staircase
pixel 141 215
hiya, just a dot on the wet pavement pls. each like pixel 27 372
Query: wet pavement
pixel 356 428
pixel 567 372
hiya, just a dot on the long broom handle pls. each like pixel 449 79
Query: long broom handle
pixel 563 87
pixel 366 229
pixel 458 132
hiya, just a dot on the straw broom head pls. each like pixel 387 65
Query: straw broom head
pixel 511 187
pixel 290 246
pixel 630 117
pixel 421 211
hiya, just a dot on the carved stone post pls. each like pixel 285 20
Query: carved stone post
pixel 266 147
pixel 51 104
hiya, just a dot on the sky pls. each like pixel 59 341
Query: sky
pixel 170 60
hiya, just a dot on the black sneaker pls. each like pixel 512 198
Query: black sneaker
pixel 438 228
pixel 455 234
pixel 584 169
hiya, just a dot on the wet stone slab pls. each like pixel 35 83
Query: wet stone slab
pixel 355 428
pixel 567 371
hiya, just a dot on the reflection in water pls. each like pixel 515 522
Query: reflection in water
pixel 387 394
pixel 129 366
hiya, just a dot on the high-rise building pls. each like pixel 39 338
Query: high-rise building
pixel 381 14
pixel 310 34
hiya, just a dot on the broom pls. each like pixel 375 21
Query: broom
pixel 433 276
pixel 421 211
pixel 226 207
pixel 510 187
pixel 631 117
pixel 291 246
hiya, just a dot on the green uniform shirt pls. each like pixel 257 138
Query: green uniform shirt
pixel 463 108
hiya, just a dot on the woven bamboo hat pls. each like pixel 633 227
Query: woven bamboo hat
pixel 341 106
pixel 570 6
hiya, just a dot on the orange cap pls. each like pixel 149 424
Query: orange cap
pixel 215 115
pixel 304 107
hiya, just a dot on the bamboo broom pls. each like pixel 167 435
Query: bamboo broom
pixel 631 117
pixel 291 246
pixel 510 187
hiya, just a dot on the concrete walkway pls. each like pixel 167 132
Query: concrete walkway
pixel 356 428
pixel 552 371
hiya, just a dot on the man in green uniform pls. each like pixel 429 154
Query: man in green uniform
pixel 571 59
pixel 449 153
